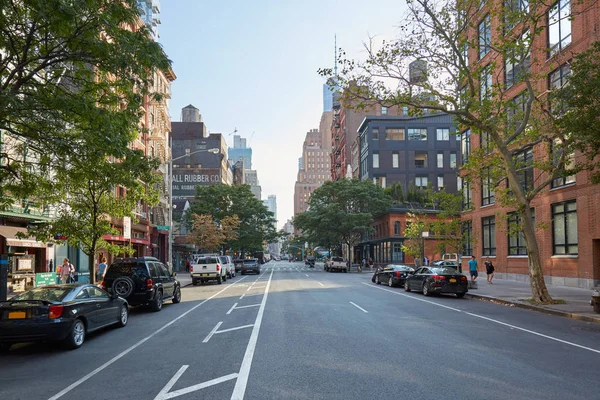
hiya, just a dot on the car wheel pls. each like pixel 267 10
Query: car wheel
pixel 377 280
pixel 219 280
pixel 194 282
pixel 406 286
pixel 123 316
pixel 123 286
pixel 177 295
pixel 158 301
pixel 460 295
pixel 391 282
pixel 426 289
pixel 225 278
pixel 345 270
pixel 76 335
pixel 373 278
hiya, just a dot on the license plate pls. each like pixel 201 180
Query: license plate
pixel 452 280
pixel 204 274
pixel 17 315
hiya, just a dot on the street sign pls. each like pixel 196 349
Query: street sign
pixel 45 278
pixel 162 227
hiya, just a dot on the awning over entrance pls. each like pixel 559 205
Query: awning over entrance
pixel 10 234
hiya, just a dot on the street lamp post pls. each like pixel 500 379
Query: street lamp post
pixel 214 151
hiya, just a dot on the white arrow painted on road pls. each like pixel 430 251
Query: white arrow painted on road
pixel 164 394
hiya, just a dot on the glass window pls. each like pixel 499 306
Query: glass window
pixel 394 134
pixel 467 234
pixel 440 181
pixel 452 160
pixel 82 295
pixel 517 65
pixel 485 36
pixel 395 162
pixel 397 252
pixel 420 160
pixel 404 110
pixel 384 110
pixel 440 160
pixel 559 26
pixel 563 179
pixel 376 160
pixel 564 228
pixel 557 79
pixel 465 142
pixel 96 293
pixel 421 181
pixel 417 134
pixel 488 226
pixel 485 84
pixel 443 134
pixel 524 165
pixel 375 132
pixel 467 194
pixel 513 10
pixel 397 228
pixel 516 238
pixel 487 189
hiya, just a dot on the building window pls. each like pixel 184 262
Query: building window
pixel 397 228
pixel 516 65
pixel 485 84
pixel 375 133
pixel 559 26
pixel 513 10
pixel 564 228
pixel 394 134
pixel 453 160
pixel 440 182
pixel 467 194
pixel 376 160
pixel 397 252
pixel 420 160
pixel 404 110
pixel 443 133
pixel 465 145
pixel 380 181
pixel 485 36
pixel 417 134
pixel 440 159
pixel 395 162
pixel 563 179
pixel 557 79
pixel 384 110
pixel 487 188
pixel 524 166
pixel 516 238
pixel 488 226
pixel 467 235
pixel 421 181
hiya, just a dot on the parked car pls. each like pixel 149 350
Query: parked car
pixel 431 280
pixel 251 265
pixel 66 313
pixel 227 264
pixel 142 281
pixel 392 275
pixel 444 263
pixel 208 268
pixel 238 264
pixel 337 264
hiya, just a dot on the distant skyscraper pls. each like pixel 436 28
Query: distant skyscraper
pixel 239 152
pixel 271 204
pixel 150 14
pixel 251 177
pixel 327 97
pixel 313 172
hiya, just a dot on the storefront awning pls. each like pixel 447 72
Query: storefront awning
pixel 10 234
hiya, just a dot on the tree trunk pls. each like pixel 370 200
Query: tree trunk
pixel 92 262
pixel 539 292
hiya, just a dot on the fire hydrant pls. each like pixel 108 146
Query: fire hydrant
pixel 596 300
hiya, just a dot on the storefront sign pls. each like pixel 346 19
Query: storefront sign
pixel 162 227
pixel 24 243
pixel 185 180
pixel 24 264
pixel 45 278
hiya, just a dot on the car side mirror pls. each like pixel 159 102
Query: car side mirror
pixel 114 296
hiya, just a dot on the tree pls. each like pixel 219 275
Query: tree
pixel 439 36
pixel 86 202
pixel 209 236
pixel 396 192
pixel 414 244
pixel 256 222
pixel 342 211
pixel 73 75
pixel 448 227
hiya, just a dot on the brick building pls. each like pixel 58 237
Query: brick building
pixel 314 170
pixel 567 213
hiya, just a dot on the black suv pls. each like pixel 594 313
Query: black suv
pixel 142 280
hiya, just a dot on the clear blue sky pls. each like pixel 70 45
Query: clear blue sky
pixel 253 65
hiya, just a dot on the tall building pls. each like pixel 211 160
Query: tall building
pixel 288 227
pixel 327 97
pixel 239 152
pixel 271 204
pixel 314 171
pixel 570 245
pixel 150 14
pixel 251 177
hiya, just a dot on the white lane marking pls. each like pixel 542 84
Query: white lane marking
pixel 320 283
pixel 231 309
pixel 235 329
pixel 359 307
pixel 166 395
pixel 161 395
pixel 214 330
pixel 251 294
pixel 491 320
pixel 251 305
pixel 242 296
pixel 242 380
pixel 133 347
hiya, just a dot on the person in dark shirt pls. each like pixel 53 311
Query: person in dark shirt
pixel 489 269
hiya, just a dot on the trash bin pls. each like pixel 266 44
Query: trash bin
pixel 596 300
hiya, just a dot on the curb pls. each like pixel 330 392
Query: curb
pixel 575 316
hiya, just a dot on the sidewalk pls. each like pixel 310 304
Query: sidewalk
pixel 184 279
pixel 514 293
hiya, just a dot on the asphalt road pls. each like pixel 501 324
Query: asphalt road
pixel 299 333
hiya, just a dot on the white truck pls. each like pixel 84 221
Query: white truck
pixel 207 268
pixel 337 264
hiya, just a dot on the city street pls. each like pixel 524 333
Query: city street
pixel 299 333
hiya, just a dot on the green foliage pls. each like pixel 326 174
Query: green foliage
pixel 73 76
pixel 342 211
pixel 396 192
pixel 448 226
pixel 414 243
pixel 256 222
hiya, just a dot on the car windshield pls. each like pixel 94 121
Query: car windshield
pixel 207 260
pixel 46 293
pixel 337 259
pixel 224 260
pixel 444 270
pixel 249 261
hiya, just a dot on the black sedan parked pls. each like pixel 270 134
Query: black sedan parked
pixel 392 275
pixel 431 280
pixel 59 313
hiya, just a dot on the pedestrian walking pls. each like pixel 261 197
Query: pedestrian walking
pixel 426 261
pixel 473 268
pixel 101 270
pixel 187 266
pixel 489 269
pixel 67 272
